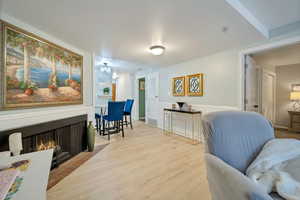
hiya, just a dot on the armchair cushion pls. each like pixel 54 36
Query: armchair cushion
pixel 236 137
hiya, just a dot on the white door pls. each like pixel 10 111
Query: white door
pixel 268 95
pixel 152 98
pixel 251 85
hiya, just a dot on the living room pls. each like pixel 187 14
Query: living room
pixel 173 70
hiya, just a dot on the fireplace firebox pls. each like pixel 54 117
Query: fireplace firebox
pixel 68 137
pixel 53 140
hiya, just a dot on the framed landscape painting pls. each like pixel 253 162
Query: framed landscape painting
pixel 36 72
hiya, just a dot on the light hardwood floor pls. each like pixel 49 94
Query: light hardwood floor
pixel 281 133
pixel 146 164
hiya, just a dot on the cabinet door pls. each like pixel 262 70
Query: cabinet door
pixel 77 136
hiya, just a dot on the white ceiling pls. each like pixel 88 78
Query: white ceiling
pixel 274 13
pixel 119 65
pixel 124 30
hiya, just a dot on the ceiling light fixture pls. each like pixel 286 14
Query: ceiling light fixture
pixel 157 50
pixel 105 68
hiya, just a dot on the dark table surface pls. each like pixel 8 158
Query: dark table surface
pixel 183 110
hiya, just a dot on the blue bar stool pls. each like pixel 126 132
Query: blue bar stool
pixel 115 117
pixel 98 120
pixel 127 112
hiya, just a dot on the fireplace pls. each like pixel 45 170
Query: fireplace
pixel 68 137
pixel 53 140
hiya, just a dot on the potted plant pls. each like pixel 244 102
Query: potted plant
pixel 106 91
pixel 52 87
pixel 29 91
pixel 28 87
pixel 53 83
pixel 73 84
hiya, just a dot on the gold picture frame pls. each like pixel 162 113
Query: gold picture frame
pixel 178 86
pixel 194 85
pixel 53 75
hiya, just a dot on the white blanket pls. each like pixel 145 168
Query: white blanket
pixel 276 168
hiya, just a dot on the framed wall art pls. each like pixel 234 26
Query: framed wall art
pixel 36 72
pixel 105 89
pixel 194 86
pixel 178 86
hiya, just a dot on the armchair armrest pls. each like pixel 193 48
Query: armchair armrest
pixel 227 183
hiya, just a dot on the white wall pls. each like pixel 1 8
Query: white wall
pixel 221 91
pixel 223 81
pixel 18 118
pixel 1 7
pixel 100 78
pixel 221 88
pixel 220 79
pixel 124 86
pixel 287 55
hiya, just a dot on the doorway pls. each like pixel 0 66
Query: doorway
pixel 142 99
pixel 270 78
pixel 260 88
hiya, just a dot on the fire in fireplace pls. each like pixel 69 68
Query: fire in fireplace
pixel 46 146
pixel 52 140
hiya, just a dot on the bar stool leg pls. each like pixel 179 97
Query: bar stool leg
pixel 118 126
pixel 96 124
pixel 126 122
pixel 130 121
pixel 103 127
pixel 108 132
pixel 122 127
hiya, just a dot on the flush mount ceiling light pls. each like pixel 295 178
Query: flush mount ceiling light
pixel 157 50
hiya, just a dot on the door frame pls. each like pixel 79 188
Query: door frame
pixel 270 73
pixel 257 49
pixel 258 82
